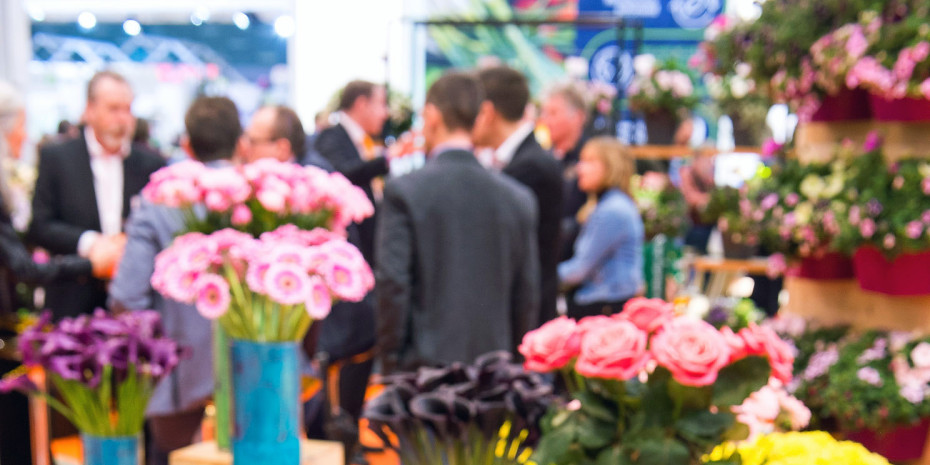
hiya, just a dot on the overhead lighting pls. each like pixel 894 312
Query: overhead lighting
pixel 284 26
pixel 36 13
pixel 87 20
pixel 241 20
pixel 196 20
pixel 132 27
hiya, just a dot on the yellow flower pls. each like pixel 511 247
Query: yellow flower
pixel 812 186
pixel 834 186
pixel 803 212
pixel 807 448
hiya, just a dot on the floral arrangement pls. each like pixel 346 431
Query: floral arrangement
pixel 267 289
pixel 258 197
pixel 661 206
pixel 772 409
pixel 854 380
pixel 737 95
pixel 104 367
pixel 735 313
pixel 647 386
pixel 483 414
pixel 736 217
pixel 810 447
pixel 894 231
pixel 660 87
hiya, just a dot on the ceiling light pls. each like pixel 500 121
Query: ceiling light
pixel 132 27
pixel 284 26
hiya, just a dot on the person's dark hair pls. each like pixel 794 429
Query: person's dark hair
pixel 353 91
pixel 143 132
pixel 287 125
pixel 100 76
pixel 213 128
pixel 64 126
pixel 506 89
pixel 458 97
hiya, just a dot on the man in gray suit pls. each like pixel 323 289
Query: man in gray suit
pixel 175 412
pixel 457 268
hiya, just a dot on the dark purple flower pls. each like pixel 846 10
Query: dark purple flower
pixel 874 207
pixel 18 382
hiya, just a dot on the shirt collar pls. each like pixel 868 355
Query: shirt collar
pixel 96 150
pixel 504 154
pixel 450 146
pixel 355 131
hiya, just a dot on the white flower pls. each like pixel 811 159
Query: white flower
pixel 681 84
pixel 812 186
pixel 834 186
pixel 743 70
pixel 698 307
pixel 644 65
pixel 665 80
pixel 921 355
pixel 803 212
pixel 739 87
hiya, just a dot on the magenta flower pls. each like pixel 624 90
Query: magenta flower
pixel 872 141
pixel 213 297
pixel 914 229
pixel 770 148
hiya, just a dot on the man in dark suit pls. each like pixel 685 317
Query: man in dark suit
pixel 501 125
pixel 457 269
pixel 84 187
pixel 349 146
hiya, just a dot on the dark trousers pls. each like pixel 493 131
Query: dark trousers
pixel 171 432
pixel 579 311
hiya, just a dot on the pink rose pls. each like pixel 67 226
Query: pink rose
pixel 551 346
pixel 692 350
pixel 590 323
pixel 763 342
pixel 647 314
pixel 737 344
pixel 613 351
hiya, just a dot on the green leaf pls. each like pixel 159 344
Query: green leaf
pixel 594 433
pixel 663 451
pixel 615 455
pixel 704 428
pixel 597 406
pixel 740 379
pixel 691 397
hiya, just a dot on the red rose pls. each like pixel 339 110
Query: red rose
pixel 551 346
pixel 693 350
pixel 647 314
pixel 616 350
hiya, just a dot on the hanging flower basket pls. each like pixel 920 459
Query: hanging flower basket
pixel 830 266
pixel 905 109
pixel 902 443
pixel 908 274
pixel 847 105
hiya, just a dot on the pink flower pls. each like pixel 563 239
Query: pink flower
pixel 925 88
pixel 287 283
pixel 590 323
pixel 925 185
pixel 775 265
pixel 870 375
pixel 857 44
pixel 345 280
pixel 319 303
pixel 692 350
pixel 889 241
pixel 551 346
pixel 867 228
pixel 255 276
pixel 873 140
pixel 615 351
pixel 213 297
pixel 735 342
pixel 647 314
pixel 854 215
pixel 898 182
pixel 241 215
pixel 770 148
pixel 40 256
pixel 792 199
pixel 914 229
pixel 179 284
pixel 762 341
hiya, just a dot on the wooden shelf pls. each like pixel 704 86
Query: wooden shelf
pixel 668 152
pixel 818 141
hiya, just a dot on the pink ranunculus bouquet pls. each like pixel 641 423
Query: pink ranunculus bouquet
pixel 268 289
pixel 258 197
pixel 646 381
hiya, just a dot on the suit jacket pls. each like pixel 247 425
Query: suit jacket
pixel 16 265
pixel 457 269
pixel 65 205
pixel 537 169
pixel 337 147
pixel 150 229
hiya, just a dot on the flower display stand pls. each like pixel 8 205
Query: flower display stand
pixel 817 141
pixel 311 453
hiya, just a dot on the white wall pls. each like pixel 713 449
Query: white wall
pixel 15 43
pixel 338 41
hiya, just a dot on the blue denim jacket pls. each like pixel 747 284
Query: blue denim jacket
pixel 607 265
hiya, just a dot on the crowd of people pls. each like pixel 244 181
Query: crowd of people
pixel 470 252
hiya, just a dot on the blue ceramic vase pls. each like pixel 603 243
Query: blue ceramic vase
pixel 265 385
pixel 110 450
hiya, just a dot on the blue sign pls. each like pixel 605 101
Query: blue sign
pixel 675 14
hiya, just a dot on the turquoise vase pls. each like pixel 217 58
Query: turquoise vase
pixel 110 450
pixel 266 394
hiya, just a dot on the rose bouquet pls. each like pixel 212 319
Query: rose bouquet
pixel 268 289
pixel 483 414
pixel 660 87
pixel 649 387
pixel 258 197
pixel 105 367
pixel 811 447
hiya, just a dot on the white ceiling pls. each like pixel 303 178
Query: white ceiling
pixel 157 11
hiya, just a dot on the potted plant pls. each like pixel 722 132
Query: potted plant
pixel 105 368
pixel 663 93
pixel 486 413
pixel 646 386
pixel 740 225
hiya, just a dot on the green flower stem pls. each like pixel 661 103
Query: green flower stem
pixel 569 381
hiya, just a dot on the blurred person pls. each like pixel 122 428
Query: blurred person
pixel 457 268
pixel 85 187
pixel 177 406
pixel 697 182
pixel 274 132
pixel 564 114
pixel 607 264
pixel 350 148
pixel 515 152
pixel 312 156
